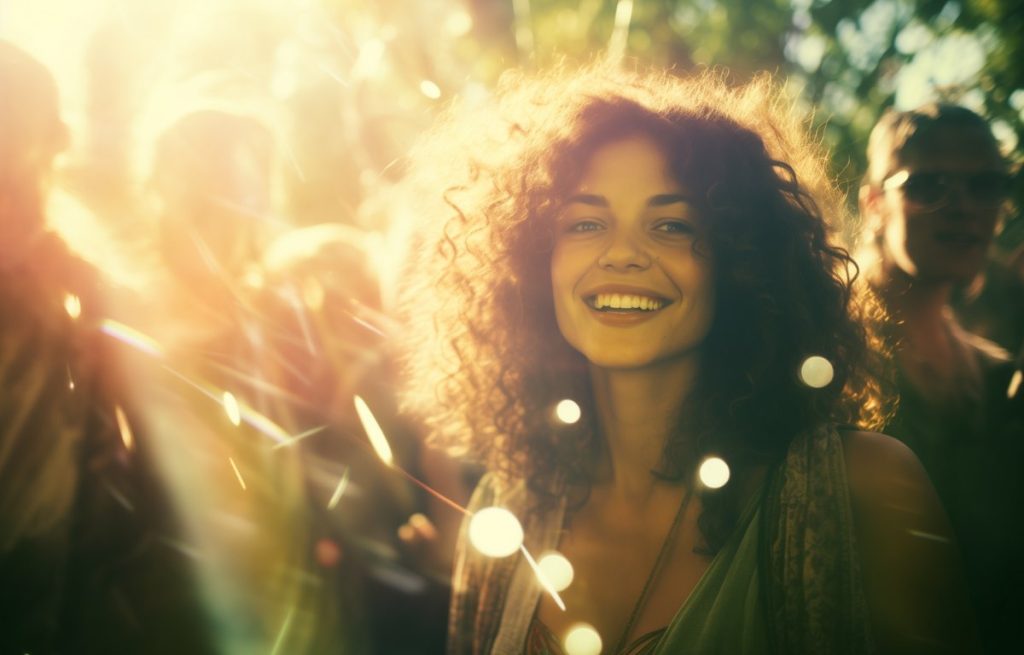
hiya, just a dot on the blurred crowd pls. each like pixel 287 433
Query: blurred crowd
pixel 182 466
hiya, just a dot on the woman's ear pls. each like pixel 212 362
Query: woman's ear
pixel 868 199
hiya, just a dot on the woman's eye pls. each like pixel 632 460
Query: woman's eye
pixel 584 226
pixel 674 227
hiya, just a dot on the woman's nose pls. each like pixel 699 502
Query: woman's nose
pixel 623 253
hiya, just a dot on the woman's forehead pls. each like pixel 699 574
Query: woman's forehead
pixel 950 147
pixel 628 162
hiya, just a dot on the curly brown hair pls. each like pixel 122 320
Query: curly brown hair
pixel 487 363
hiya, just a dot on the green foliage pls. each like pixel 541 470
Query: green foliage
pixel 846 59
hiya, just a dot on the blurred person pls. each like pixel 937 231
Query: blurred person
pixel 656 250
pixel 936 187
pixel 42 420
pixel 79 532
pixel 324 301
pixel 202 380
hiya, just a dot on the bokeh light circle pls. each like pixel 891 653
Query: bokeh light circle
pixel 582 639
pixel 495 532
pixel 816 372
pixel 557 570
pixel 568 411
pixel 713 473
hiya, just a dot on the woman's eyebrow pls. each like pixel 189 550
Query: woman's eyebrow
pixel 654 201
pixel 668 199
pixel 588 199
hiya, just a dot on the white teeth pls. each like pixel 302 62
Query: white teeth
pixel 626 301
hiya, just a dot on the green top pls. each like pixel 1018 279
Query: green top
pixel 787 581
pixel 728 595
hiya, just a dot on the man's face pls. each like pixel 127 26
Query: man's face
pixel 939 205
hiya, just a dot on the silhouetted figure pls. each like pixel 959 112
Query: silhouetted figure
pixel 934 191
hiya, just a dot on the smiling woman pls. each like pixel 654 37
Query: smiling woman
pixel 624 256
pixel 656 250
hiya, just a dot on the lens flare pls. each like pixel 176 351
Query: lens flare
pixel 430 89
pixel 816 372
pixel 582 639
pixel 339 490
pixel 122 426
pixel 373 432
pixel 713 473
pixel 557 569
pixel 1014 385
pixel 458 23
pixel 495 532
pixel 238 474
pixel 232 409
pixel 568 411
pixel 129 335
pixel 73 306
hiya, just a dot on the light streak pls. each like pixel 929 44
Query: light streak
pixel 129 335
pixel 119 497
pixel 366 325
pixel 373 431
pixel 238 474
pixel 339 490
pixel 283 632
pixel 334 75
pixel 620 33
pixel 231 408
pixel 430 490
pixel 299 437
pixel 380 446
pixel 1018 377
pixel 543 579
pixel 929 536
pixel 122 426
pixel 253 418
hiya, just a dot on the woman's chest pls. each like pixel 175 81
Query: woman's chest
pixel 628 581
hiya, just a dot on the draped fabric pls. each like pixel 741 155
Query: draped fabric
pixel 787 581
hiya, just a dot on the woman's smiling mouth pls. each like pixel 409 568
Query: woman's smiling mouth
pixel 624 302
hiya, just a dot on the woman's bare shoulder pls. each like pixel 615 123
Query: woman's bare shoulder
pixel 911 563
pixel 878 465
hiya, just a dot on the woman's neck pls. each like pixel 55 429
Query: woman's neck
pixel 637 409
pixel 920 308
pixel 912 301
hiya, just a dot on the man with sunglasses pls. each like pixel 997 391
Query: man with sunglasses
pixel 936 187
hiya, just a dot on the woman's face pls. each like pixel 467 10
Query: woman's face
pixel 629 288
pixel 947 240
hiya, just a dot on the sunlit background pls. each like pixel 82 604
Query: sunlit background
pixel 205 133
pixel 348 84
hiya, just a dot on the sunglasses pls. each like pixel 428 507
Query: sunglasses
pixel 933 189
